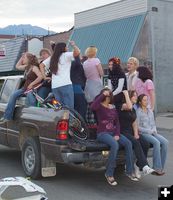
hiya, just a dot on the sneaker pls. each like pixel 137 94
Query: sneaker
pixel 132 177
pixel 3 120
pixel 147 170
pixel 111 180
pixel 137 172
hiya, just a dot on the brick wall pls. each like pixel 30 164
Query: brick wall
pixel 59 37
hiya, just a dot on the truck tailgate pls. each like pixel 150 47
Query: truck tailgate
pixel 87 145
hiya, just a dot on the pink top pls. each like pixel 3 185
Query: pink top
pixel 90 68
pixel 144 88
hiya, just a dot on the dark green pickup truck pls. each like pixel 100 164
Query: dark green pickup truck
pixel 44 136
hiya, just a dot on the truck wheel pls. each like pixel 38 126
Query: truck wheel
pixel 31 157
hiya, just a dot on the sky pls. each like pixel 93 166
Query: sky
pixel 57 15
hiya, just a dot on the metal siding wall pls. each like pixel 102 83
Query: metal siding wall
pixel 110 12
pixel 163 53
pixel 13 47
pixel 115 38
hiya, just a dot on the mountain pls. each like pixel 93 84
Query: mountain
pixel 24 29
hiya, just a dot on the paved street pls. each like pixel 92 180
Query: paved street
pixel 77 183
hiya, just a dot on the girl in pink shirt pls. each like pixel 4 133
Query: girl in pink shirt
pixel 144 85
pixel 93 72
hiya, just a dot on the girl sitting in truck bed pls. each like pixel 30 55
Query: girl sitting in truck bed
pixel 29 63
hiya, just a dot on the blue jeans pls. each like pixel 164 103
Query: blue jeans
pixel 44 91
pixel 160 146
pixel 108 138
pixel 138 146
pixel 126 143
pixel 80 103
pixel 30 99
pixel 9 111
pixel 65 95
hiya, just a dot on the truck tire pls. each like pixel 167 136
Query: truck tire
pixel 31 157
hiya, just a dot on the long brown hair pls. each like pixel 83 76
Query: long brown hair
pixel 140 98
pixel 144 73
pixel 58 50
pixel 32 59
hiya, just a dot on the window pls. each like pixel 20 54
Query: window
pixel 1 83
pixel 9 88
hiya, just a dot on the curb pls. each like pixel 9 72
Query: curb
pixel 162 130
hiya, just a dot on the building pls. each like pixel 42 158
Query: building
pixel 140 28
pixel 6 37
pixel 14 47
pixel 13 51
pixel 58 37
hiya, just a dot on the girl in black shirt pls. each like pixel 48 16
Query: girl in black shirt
pixel 116 79
pixel 128 127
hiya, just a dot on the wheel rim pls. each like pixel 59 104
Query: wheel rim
pixel 29 159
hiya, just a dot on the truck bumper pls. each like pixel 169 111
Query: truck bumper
pixel 92 159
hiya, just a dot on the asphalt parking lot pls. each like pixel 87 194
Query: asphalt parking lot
pixel 79 183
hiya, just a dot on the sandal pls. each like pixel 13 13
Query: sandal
pixel 158 173
pixel 111 180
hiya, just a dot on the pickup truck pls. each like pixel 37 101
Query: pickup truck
pixel 42 135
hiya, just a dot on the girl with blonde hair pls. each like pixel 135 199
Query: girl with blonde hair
pixel 93 72
pixel 132 65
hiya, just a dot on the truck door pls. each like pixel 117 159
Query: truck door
pixel 9 86
pixel 3 130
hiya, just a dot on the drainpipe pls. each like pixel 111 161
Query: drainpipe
pixel 152 39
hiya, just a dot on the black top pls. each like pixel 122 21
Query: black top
pixel 114 77
pixel 77 72
pixel 127 117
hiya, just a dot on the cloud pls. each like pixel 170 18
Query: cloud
pixel 44 13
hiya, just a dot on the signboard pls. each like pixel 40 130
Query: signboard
pixel 2 51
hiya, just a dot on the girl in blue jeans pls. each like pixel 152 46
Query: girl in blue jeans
pixel 60 66
pixel 28 63
pixel 108 132
pixel 147 128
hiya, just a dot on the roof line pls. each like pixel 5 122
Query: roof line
pixel 142 13
pixel 60 32
pixel 166 1
pixel 119 1
pixel 100 6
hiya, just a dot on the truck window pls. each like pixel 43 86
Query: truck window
pixel 1 83
pixel 9 88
